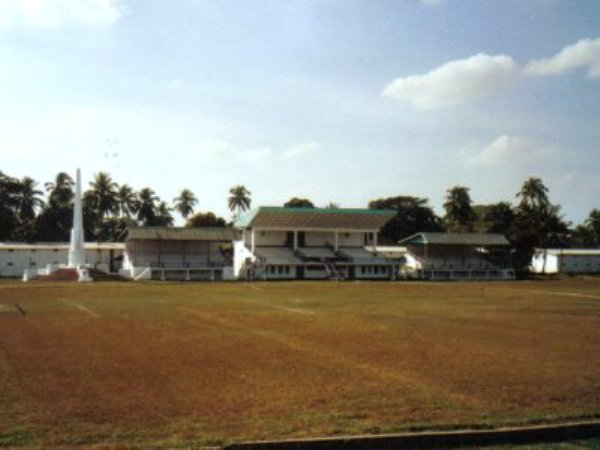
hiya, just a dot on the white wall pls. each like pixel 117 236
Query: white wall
pixel 240 254
pixel 14 262
pixel 580 263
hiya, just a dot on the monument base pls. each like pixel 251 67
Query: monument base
pixel 84 275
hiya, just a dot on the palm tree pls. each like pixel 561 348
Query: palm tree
pixel 9 191
pixel 147 206
pixel 28 199
pixel 105 192
pixel 185 202
pixel 128 201
pixel 593 224
pixel 459 212
pixel 60 191
pixel 239 200
pixel 163 215
pixel 534 195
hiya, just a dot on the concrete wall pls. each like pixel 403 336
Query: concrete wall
pixel 13 262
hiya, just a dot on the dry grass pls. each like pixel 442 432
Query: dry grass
pixel 180 364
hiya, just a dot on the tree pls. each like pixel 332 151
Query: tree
pixel 163 217
pixel 60 192
pixel 239 200
pixel 494 218
pixel 128 201
pixel 296 202
pixel 593 224
pixel 208 219
pixel 332 205
pixel 29 199
pixel 185 202
pixel 413 215
pixel 146 210
pixel 587 234
pixel 534 195
pixel 9 205
pixel 55 221
pixel 459 216
pixel 537 223
pixel 105 190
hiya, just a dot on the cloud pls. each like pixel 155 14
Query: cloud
pixel 300 150
pixel 431 2
pixel 53 14
pixel 456 82
pixel 583 54
pixel 506 150
pixel 226 152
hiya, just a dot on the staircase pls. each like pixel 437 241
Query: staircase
pixel 333 273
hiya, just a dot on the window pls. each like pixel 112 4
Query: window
pixel 9 263
pixel 55 250
pixel 280 270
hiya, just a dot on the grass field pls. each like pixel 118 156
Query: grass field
pixel 208 363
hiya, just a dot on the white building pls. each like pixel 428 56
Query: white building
pixel 566 260
pixel 459 256
pixel 44 257
pixel 311 243
pixel 162 253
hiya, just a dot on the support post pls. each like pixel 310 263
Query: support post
pixel 252 241
pixel 335 240
pixel 375 241
pixel 295 240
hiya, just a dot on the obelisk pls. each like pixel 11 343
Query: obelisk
pixel 76 250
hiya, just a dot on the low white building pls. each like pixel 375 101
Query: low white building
pixel 459 256
pixel 566 260
pixel 311 243
pixel 162 253
pixel 16 257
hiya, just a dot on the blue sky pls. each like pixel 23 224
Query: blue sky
pixel 334 100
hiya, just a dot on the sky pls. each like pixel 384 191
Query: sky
pixel 334 100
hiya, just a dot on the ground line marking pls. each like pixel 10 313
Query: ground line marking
pixel 556 293
pixel 81 308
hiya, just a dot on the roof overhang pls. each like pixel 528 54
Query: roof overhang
pixel 222 234
pixel 471 239
pixel 316 219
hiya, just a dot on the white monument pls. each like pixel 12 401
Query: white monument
pixel 76 249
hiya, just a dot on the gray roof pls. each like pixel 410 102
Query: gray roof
pixel 569 251
pixel 316 218
pixel 482 239
pixel 182 234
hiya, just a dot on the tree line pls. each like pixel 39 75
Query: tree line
pixel 28 213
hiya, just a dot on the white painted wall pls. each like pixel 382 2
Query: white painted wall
pixel 544 263
pixel 240 254
pixel 13 262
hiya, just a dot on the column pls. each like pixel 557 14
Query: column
pixel 252 244
pixel 295 240
pixel 335 240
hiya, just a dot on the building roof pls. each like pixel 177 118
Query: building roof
pixel 60 246
pixel 182 234
pixel 316 218
pixel 569 251
pixel 483 239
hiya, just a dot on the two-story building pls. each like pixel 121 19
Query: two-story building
pixel 311 243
